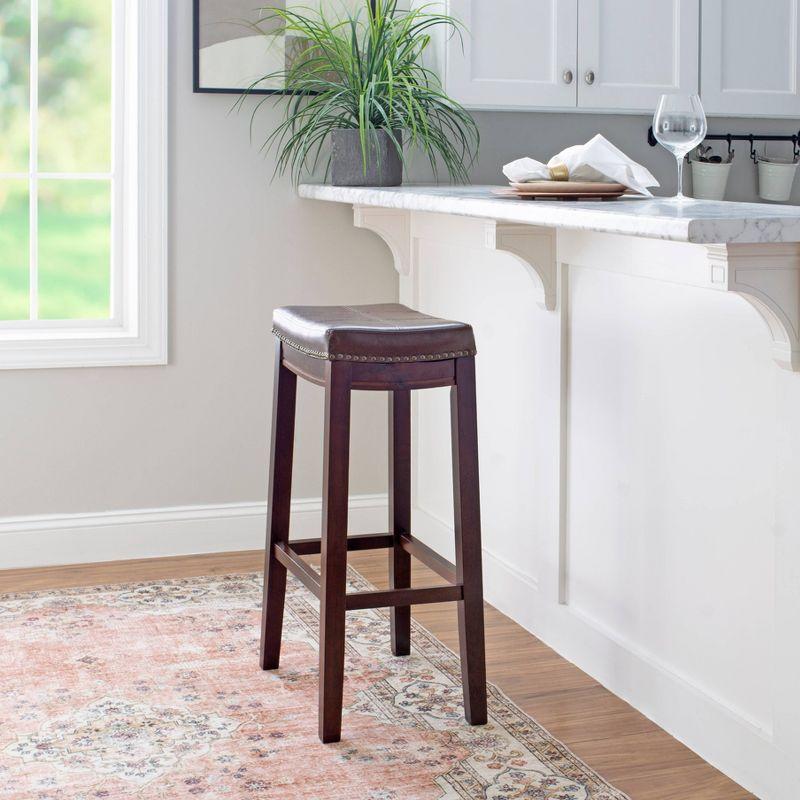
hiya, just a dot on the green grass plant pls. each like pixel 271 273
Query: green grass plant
pixel 366 69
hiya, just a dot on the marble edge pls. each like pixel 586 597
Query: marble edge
pixel 700 231
pixel 547 214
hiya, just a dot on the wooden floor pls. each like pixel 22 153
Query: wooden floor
pixel 622 745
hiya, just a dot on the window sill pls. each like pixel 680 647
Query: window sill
pixel 51 348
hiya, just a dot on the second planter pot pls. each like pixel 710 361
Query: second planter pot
pixel 775 179
pixel 710 180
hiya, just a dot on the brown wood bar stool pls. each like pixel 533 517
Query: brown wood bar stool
pixel 380 348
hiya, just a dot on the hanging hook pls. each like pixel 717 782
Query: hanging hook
pixel 796 145
pixel 730 151
pixel 753 154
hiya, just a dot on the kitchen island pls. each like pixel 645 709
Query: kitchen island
pixel 639 445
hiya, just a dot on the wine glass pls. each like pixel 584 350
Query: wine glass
pixel 679 124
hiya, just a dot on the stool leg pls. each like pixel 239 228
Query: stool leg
pixel 400 513
pixel 284 393
pixel 466 495
pixel 334 549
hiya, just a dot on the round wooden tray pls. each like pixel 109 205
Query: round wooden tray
pixel 563 190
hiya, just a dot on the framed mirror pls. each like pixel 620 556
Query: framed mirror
pixel 231 50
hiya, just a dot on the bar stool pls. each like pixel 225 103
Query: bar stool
pixel 386 348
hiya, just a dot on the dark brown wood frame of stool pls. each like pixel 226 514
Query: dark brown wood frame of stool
pixel 464 579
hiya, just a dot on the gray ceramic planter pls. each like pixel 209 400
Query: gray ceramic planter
pixel 384 166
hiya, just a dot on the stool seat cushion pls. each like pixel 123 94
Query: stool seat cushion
pixel 383 333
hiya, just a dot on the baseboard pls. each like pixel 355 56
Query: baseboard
pixel 50 540
pixel 721 734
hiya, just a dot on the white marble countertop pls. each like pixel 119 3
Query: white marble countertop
pixel 700 221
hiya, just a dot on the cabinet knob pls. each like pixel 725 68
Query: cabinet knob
pixel 567 76
pixel 589 77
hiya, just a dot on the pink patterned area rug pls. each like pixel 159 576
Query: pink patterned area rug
pixel 153 691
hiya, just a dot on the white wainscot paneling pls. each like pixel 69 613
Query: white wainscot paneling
pixel 671 482
pixel 787 583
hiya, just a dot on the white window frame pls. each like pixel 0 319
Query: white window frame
pixel 136 333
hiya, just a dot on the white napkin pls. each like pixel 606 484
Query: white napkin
pixel 597 160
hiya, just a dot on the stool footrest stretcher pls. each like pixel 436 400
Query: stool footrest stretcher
pixel 291 557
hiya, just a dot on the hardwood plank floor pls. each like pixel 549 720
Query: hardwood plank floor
pixel 616 740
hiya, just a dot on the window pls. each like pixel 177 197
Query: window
pixel 82 182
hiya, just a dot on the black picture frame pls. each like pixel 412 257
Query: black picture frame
pixel 196 87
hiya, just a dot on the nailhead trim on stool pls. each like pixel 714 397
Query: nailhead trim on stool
pixel 376 359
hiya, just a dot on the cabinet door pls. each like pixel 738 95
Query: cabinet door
pixel 633 51
pixel 516 54
pixel 750 59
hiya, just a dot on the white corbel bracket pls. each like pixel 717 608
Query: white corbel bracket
pixel 768 277
pixel 393 226
pixel 531 246
pixel 535 249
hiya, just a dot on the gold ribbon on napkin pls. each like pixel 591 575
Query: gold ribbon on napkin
pixel 559 172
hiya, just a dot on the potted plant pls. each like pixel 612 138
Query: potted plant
pixel 360 91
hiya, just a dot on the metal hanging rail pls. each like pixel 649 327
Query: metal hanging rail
pixel 743 137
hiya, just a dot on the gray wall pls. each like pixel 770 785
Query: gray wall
pixel 195 432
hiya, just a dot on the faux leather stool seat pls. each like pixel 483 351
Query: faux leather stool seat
pixel 384 333
pixel 393 349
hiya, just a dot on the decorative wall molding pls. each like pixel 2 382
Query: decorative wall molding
pixel 535 249
pixel 53 539
pixel 564 387
pixel 767 277
pixel 393 226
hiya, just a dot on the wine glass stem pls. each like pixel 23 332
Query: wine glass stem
pixel 680 194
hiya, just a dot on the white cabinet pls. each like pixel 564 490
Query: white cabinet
pixel 594 54
pixel 620 55
pixel 515 54
pixel 750 60
pixel 630 52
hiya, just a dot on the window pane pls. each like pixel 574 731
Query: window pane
pixel 74 85
pixel 14 249
pixel 74 249
pixel 14 96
